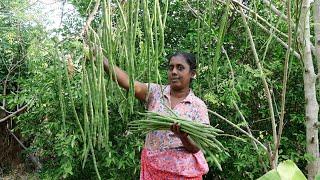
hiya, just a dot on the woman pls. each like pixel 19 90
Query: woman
pixel 171 154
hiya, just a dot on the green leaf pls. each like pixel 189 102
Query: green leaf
pixel 288 170
pixel 271 175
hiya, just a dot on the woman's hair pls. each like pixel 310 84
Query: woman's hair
pixel 190 58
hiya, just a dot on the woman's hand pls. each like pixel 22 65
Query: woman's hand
pixel 140 89
pixel 106 63
pixel 175 128
pixel 186 141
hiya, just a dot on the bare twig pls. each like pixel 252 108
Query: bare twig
pixel 284 82
pixel 14 113
pixel 275 10
pixel 241 115
pixel 240 129
pixel 296 54
pixel 6 80
pixel 253 142
pixel 5 110
pixel 34 159
pixel 62 12
pixel 90 18
pixel 264 81
pixel 269 31
pixel 255 14
pixel 230 65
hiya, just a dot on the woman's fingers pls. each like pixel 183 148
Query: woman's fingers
pixel 174 128
pixel 178 128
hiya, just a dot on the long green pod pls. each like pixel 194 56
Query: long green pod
pixel 156 48
pixel 161 28
pixel 94 159
pixel 72 102
pixel 222 31
pixel 62 103
pixel 90 102
pixel 215 160
pixel 106 114
pixel 85 113
pixel 93 84
pixel 185 123
pixel 99 90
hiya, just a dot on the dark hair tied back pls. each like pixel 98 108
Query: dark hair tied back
pixel 190 58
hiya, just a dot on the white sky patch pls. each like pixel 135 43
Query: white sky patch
pixel 51 12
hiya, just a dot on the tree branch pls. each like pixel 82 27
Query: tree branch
pixel 14 113
pixel 275 10
pixel 253 142
pixel 241 115
pixel 5 83
pixel 285 79
pixel 34 159
pixel 62 13
pixel 90 18
pixel 243 7
pixel 5 110
pixel 295 53
pixel 240 129
pixel 264 81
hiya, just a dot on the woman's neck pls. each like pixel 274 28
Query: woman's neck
pixel 180 93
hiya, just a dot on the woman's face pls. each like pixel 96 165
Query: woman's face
pixel 179 73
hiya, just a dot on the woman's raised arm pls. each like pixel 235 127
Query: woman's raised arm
pixel 140 89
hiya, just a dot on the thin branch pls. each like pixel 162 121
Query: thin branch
pixel 5 83
pixel 230 65
pixel 14 113
pixel 31 156
pixel 263 78
pixel 240 129
pixel 243 7
pixel 17 139
pixel 296 54
pixel 275 10
pixel 62 13
pixel 5 110
pixel 241 115
pixel 253 142
pixel 284 82
pixel 90 18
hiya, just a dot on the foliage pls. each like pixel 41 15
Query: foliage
pixel 191 26
pixel 285 170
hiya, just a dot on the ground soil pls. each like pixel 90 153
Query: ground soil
pixel 11 161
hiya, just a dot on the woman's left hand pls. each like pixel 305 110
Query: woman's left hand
pixel 175 128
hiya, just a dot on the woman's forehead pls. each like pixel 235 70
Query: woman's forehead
pixel 178 60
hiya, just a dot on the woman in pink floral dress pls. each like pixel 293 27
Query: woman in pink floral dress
pixel 171 155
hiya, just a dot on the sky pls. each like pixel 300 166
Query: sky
pixel 51 11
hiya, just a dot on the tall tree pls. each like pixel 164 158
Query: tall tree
pixel 310 79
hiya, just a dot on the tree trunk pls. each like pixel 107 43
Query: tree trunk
pixel 309 78
pixel 316 16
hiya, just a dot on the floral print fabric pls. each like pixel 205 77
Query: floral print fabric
pixel 164 156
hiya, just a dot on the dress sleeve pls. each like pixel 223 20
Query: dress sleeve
pixel 152 92
pixel 203 114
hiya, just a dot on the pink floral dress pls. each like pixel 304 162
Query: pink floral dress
pixel 163 156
